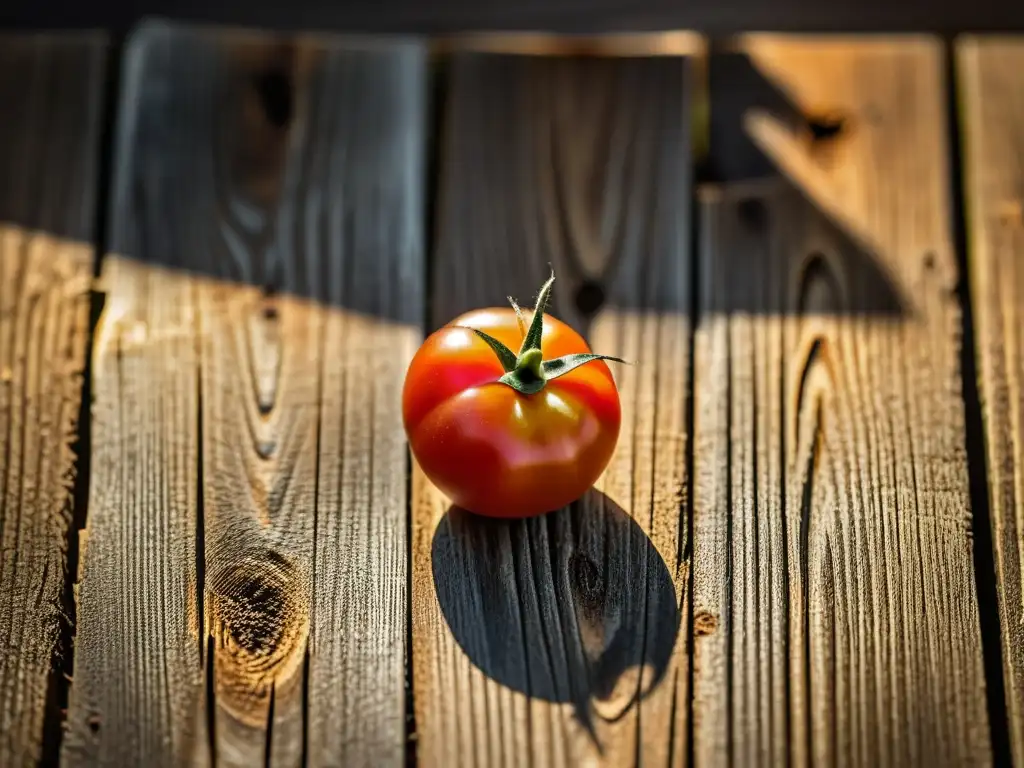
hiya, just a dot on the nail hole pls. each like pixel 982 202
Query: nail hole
pixel 826 126
pixel 94 723
pixel 589 297
pixel 270 312
pixel 929 260
pixel 275 91
pixel 752 213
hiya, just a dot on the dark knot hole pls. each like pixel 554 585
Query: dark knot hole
pixel 274 87
pixel 825 127
pixel 589 298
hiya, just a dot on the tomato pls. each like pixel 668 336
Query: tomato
pixel 511 436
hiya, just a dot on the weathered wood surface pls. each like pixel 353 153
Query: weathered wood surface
pixel 49 140
pixel 993 118
pixel 836 619
pixel 247 522
pixel 562 640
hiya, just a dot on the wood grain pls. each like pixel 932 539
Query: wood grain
pixel 50 91
pixel 562 640
pixel 832 525
pixel 993 121
pixel 264 293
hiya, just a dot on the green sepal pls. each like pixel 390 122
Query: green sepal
pixel 552 369
pixel 533 336
pixel 528 372
pixel 519 316
pixel 523 382
pixel 527 382
pixel 505 355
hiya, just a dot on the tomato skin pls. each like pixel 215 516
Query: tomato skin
pixel 495 451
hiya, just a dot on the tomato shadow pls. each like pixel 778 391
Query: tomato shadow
pixel 575 606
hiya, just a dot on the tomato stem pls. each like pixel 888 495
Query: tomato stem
pixel 530 362
pixel 528 371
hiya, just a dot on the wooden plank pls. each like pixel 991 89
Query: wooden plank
pixel 832 526
pixel 50 90
pixel 562 640
pixel 993 79
pixel 248 526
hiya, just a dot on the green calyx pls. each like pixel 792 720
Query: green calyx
pixel 528 371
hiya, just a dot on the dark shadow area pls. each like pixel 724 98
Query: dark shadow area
pixel 414 16
pixel 256 160
pixel 308 172
pixel 756 209
pixel 575 606
pixel 49 93
pixel 578 163
pixel 735 86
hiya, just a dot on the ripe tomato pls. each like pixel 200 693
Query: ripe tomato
pixel 510 436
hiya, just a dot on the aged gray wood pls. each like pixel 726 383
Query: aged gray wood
pixel 562 640
pixel 835 608
pixel 266 266
pixel 50 90
pixel 993 79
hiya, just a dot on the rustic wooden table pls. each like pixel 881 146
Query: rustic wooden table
pixel 218 251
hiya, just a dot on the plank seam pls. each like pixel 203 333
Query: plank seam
pixel 700 90
pixel 437 77
pixel 974 433
pixel 63 662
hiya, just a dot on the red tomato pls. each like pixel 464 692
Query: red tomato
pixel 492 449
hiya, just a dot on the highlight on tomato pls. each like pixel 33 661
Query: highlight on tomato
pixel 511 434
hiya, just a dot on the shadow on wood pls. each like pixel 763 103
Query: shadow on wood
pixel 759 199
pixel 276 162
pixel 580 163
pixel 575 606
pixel 42 82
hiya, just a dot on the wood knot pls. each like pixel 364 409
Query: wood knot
pixel 260 622
pixel 819 291
pixel 274 87
pixel 752 214
pixel 827 126
pixel 589 298
pixel 704 623
pixel 265 351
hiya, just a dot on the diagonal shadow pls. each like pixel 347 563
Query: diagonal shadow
pixel 268 162
pixel 290 166
pixel 575 606
pixel 760 209
pixel 48 94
